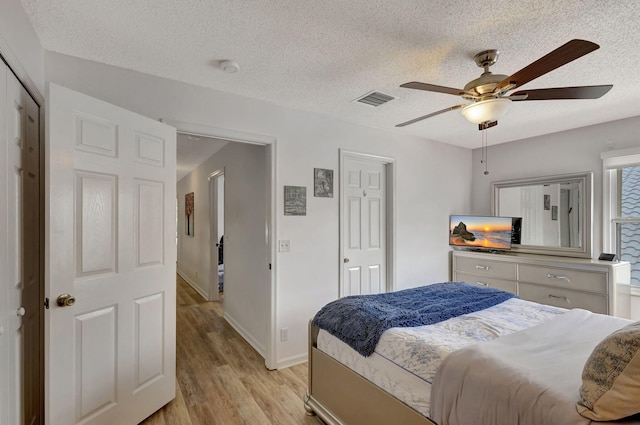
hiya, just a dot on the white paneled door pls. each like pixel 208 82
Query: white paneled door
pixel 364 227
pixel 110 274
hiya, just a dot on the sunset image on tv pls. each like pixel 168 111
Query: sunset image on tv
pixel 480 232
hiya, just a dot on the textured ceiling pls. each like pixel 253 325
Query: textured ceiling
pixel 319 56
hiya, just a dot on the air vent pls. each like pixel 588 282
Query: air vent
pixel 374 99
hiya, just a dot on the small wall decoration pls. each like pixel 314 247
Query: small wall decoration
pixel 295 200
pixel 322 183
pixel 189 211
pixel 554 212
pixel 547 202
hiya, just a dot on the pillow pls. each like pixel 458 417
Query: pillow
pixel 611 377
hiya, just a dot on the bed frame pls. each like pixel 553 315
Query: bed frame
pixel 340 396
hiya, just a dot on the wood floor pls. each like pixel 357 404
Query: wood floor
pixel 221 379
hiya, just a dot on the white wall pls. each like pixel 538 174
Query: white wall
pixel 307 277
pixel 635 305
pixel 246 251
pixel 569 151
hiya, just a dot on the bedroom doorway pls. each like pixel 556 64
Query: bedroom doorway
pixel 249 182
pixel 216 238
pixel 366 223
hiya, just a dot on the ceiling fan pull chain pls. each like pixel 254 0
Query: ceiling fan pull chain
pixel 484 150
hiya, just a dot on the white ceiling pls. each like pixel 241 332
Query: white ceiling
pixel 193 151
pixel 320 55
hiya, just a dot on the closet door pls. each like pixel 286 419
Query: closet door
pixel 5 390
pixel 21 397
pixel 32 327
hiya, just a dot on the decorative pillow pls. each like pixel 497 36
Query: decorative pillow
pixel 611 377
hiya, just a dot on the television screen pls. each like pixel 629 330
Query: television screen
pixel 516 230
pixel 480 232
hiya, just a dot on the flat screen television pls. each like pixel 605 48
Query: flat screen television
pixel 480 232
pixel 516 230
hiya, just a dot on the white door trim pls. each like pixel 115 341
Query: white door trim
pixel 214 211
pixel 270 143
pixel 390 168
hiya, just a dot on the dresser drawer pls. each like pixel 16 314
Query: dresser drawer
pixel 562 297
pixel 486 267
pixel 488 281
pixel 565 278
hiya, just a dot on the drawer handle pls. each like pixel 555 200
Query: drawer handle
pixel 479 267
pixel 558 276
pixel 482 283
pixel 565 299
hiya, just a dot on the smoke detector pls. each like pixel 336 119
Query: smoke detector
pixel 230 67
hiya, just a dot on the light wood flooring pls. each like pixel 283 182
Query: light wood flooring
pixel 221 379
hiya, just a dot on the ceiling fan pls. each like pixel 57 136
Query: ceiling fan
pixel 488 93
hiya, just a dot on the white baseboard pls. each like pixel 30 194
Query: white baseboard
pixel 193 285
pixel 292 361
pixel 244 334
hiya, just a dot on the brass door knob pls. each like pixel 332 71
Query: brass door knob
pixel 65 300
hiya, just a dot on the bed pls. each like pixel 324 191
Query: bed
pixel 521 361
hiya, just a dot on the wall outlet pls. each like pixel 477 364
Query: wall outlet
pixel 283 246
pixel 284 334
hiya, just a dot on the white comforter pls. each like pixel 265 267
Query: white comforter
pixel 531 377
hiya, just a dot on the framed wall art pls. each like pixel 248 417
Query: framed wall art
pixel 295 200
pixel 322 183
pixel 189 210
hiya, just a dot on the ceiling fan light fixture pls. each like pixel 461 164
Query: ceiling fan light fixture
pixel 486 110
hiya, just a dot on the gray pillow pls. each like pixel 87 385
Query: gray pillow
pixel 611 377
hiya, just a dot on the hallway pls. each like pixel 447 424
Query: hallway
pixel 221 379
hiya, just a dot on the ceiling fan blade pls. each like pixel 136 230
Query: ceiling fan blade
pixel 564 54
pixel 432 87
pixel 584 92
pixel 442 111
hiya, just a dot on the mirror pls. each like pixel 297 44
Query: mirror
pixel 555 213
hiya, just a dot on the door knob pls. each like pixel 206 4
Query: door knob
pixel 346 260
pixel 65 300
pixel 21 312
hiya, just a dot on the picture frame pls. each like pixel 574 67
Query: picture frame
pixel 322 183
pixel 547 202
pixel 295 200
pixel 554 212
pixel 189 212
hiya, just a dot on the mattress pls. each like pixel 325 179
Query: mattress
pixel 406 359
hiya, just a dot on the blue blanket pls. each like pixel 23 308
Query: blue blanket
pixel 360 320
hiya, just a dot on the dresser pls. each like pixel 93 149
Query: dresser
pixel 558 281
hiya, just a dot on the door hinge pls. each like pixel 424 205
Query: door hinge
pixel 46 303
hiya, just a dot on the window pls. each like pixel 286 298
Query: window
pixel 622 207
